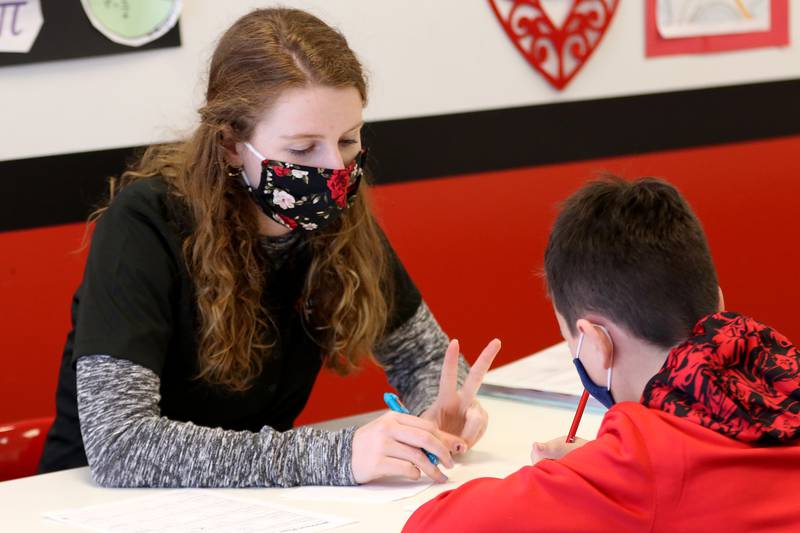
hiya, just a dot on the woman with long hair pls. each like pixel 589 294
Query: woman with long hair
pixel 227 269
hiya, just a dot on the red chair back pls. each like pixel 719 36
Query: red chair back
pixel 21 446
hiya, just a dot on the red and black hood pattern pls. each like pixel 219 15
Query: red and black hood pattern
pixel 735 376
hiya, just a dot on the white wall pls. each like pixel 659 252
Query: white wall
pixel 424 57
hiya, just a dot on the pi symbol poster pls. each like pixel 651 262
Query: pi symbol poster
pixel 20 22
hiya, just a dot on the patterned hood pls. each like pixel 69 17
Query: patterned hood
pixel 735 376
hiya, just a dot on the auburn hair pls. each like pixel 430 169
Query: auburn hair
pixel 261 55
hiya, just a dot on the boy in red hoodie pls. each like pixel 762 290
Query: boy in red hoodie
pixel 703 430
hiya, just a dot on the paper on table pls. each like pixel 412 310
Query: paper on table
pixel 549 370
pixel 385 490
pixel 464 472
pixel 182 511
pixel 547 377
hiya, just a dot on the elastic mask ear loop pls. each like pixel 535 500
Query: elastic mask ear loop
pixel 580 346
pixel 254 151
pixel 260 157
pixel 246 179
pixel 612 354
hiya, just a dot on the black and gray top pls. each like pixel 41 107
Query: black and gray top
pixel 128 401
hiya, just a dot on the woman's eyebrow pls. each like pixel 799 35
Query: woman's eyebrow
pixel 317 135
pixel 303 136
pixel 361 123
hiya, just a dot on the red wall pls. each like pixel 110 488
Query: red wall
pixel 474 246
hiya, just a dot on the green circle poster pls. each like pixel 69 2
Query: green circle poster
pixel 132 22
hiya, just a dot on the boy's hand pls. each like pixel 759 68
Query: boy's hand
pixel 554 449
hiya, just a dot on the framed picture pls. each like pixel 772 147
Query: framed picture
pixel 705 26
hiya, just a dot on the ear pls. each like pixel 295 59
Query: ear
pixel 597 342
pixel 721 299
pixel 228 141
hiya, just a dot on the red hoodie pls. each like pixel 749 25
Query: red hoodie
pixel 714 446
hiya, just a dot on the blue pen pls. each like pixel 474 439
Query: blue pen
pixel 395 405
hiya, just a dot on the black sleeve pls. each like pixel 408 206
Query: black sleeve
pixel 406 297
pixel 125 308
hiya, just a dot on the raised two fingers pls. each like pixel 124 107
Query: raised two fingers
pixel 448 380
pixel 478 371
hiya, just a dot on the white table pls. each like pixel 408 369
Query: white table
pixel 513 427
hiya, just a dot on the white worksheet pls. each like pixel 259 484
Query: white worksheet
pixel 551 370
pixel 381 491
pixel 186 511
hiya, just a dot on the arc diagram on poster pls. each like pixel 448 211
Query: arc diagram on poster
pixel 696 18
pixel 132 22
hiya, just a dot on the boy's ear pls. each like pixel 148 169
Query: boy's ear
pixel 597 341
pixel 721 299
pixel 229 145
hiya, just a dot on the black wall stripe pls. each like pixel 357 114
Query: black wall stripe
pixel 61 189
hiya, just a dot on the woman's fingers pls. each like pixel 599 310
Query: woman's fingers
pixel 475 424
pixel 454 443
pixel 390 466
pixel 478 371
pixel 448 382
pixel 418 438
pixel 391 437
pixel 416 458
pixel 413 421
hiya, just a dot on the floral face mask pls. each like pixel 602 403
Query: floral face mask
pixel 303 197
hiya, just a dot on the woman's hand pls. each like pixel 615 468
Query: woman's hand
pixel 391 445
pixel 554 449
pixel 457 412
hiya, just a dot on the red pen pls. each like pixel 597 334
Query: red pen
pixel 578 414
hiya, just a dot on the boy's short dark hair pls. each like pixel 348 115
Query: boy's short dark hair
pixel 634 252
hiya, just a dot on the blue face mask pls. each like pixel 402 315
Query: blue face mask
pixel 601 394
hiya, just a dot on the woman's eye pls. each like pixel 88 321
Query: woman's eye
pixel 348 141
pixel 300 151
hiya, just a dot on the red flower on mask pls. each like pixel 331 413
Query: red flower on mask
pixel 288 221
pixel 338 184
pixel 279 170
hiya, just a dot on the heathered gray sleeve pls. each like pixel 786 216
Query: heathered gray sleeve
pixel 129 444
pixel 412 357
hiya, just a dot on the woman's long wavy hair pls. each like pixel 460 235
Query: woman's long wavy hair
pixel 261 55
